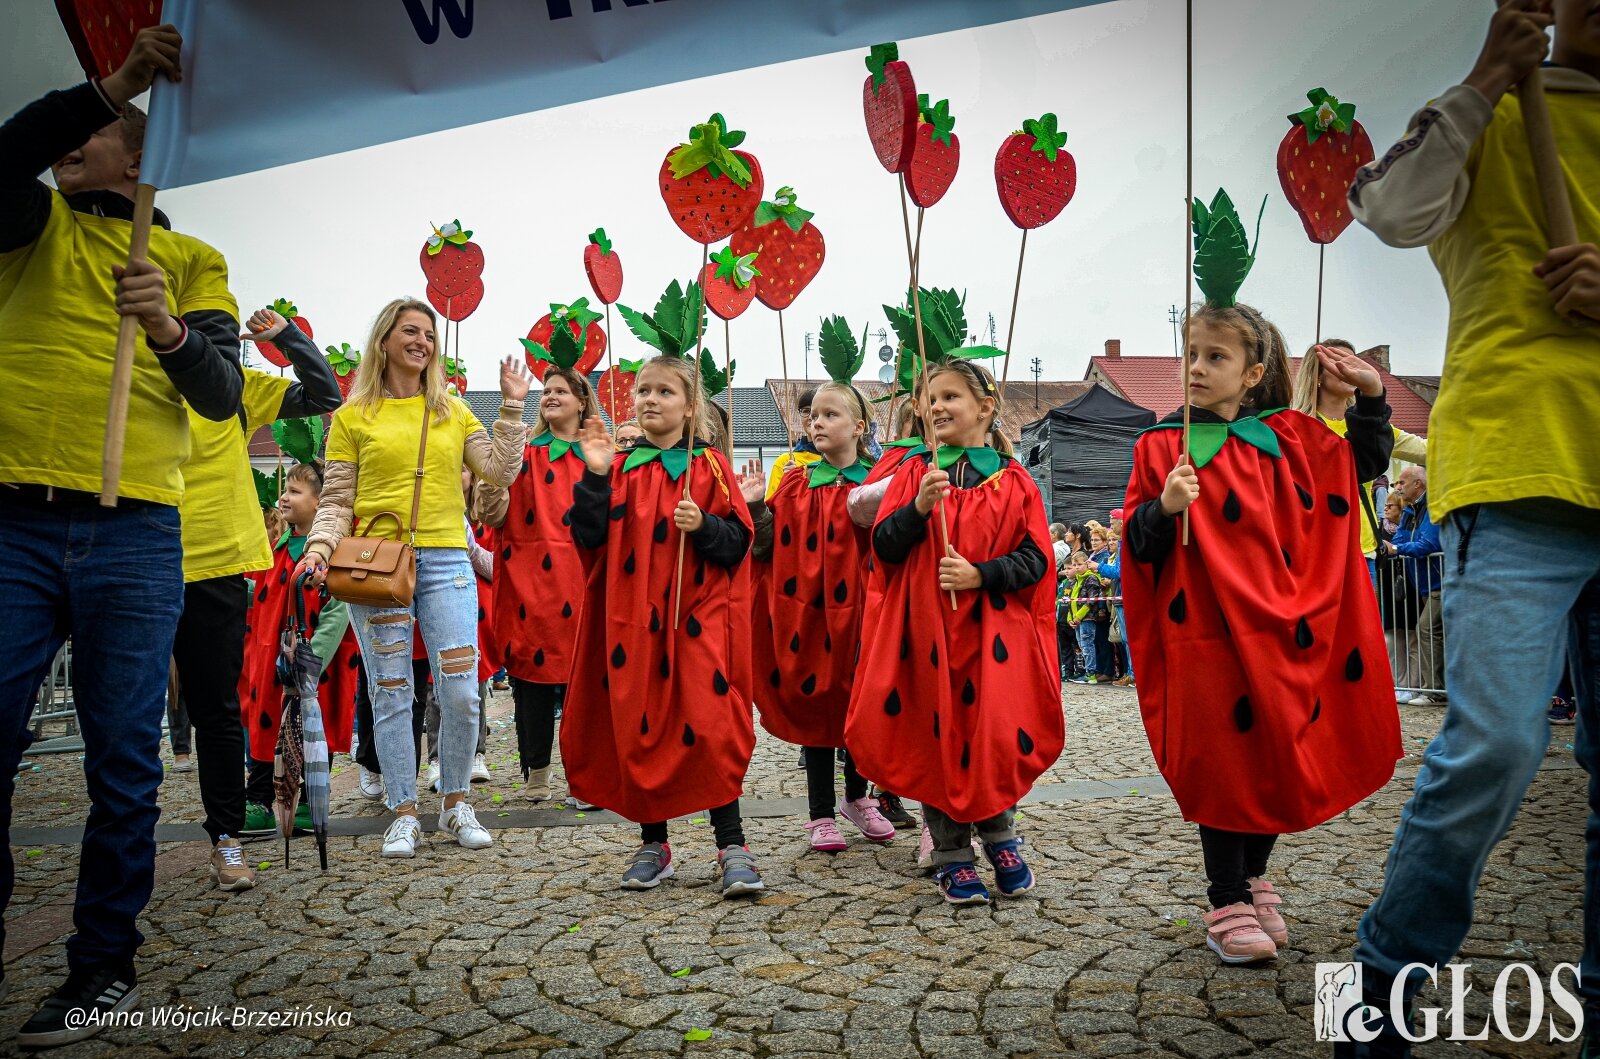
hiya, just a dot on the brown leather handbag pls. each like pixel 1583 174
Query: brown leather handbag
pixel 375 571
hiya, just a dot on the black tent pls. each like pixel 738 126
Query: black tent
pixel 1082 453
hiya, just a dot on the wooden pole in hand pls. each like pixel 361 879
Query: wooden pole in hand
pixel 1546 162
pixel 1011 329
pixel 144 206
pixel 788 391
pixel 1322 253
pixel 694 422
pixel 1188 231
pixel 727 370
pixel 611 376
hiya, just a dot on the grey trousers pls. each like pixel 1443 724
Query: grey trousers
pixel 952 840
pixel 430 721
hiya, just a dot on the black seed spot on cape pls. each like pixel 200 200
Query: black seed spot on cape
pixel 566 609
pixel 830 533
pixel 354 661
pixel 819 601
pixel 1178 609
pixel 794 644
pixel 549 476
pixel 776 680
pixel 808 685
pixel 997 600
pixel 619 657
pixel 617 512
pixel 1305 497
pixel 688 736
pixel 522 612
pixel 869 564
pixel 1227 630
pixel 905 646
pixel 263 721
pixel 936 724
pixel 1024 742
pixel 527 517
pixel 1232 510
pixel 1316 710
pixel 693 625
pixel 505 553
pixel 505 656
pixel 785 538
pixel 283 578
pixel 969 694
pixel 324 678
pixel 827 643
pixel 605 681
pixel 665 669
pixel 1244 718
pixel 311 622
pixel 655 619
pixel 699 573
pixel 841 591
pixel 1287 562
pixel 966 755
pixel 933 656
pixel 524 467
pixel 538 657
pixel 660 533
pixel 791 586
pixel 1000 652
pixel 262 594
pixel 977 612
pixel 858 653
pixel 644 724
pixel 1354 667
pixel 1302 635
pixel 566 517
pixel 719 683
pixel 811 542
pixel 478 532
pixel 891 705
pixel 546 564
pixel 1338 504
pixel 769 621
pixel 628 564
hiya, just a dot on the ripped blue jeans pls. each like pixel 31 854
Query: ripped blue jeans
pixel 446 606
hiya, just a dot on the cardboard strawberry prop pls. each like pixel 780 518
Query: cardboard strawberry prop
pixel 709 188
pixel 614 390
pixel 344 360
pixel 729 282
pixel 450 261
pixel 935 154
pixel 568 335
pixel 789 246
pixel 455 376
pixel 1293 721
pixel 286 309
pixel 603 267
pixel 456 308
pixel 889 104
pixel 1035 174
pixel 1317 161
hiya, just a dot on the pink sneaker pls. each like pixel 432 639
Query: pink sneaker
pixel 865 814
pixel 825 836
pixel 1266 901
pixel 925 849
pixel 1234 934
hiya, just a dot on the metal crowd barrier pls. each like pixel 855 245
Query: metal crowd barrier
pixel 1413 623
pixel 55 707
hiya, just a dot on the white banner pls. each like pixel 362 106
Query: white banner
pixel 269 83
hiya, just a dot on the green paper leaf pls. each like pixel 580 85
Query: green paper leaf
pixel 1046 139
pixel 32 853
pixel 708 150
pixel 264 865
pixel 574 928
pixel 740 271
pixel 285 308
pixel 497 798
pixel 822 473
pixel 939 117
pixel 697 1035
pixel 344 359
pixel 694 319
pixel 535 350
pixel 841 356
pixel 698 820
pixel 631 366
pixel 1180 922
pixel 643 328
pixel 565 347
pixel 712 378
pixel 880 56
pixel 502 814
pixel 598 238
pixel 1325 114
pixel 782 207
pixel 1223 255
pixel 266 488
pixel 984 460
pixel 299 438
pixel 579 816
pixel 682 972
pixel 977 352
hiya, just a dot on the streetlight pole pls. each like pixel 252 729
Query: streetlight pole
pixel 1174 315
pixel 1038 370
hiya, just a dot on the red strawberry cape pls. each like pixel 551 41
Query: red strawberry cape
pixel 488 641
pixel 807 618
pixel 959 709
pixel 1263 677
pixel 538 575
pixel 260 694
pixel 657 721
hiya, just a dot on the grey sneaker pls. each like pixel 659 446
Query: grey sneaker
pixel 651 863
pixel 739 875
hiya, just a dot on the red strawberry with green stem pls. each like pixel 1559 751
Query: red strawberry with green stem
pixel 451 263
pixel 889 104
pixel 1317 161
pixel 1035 174
pixel 709 188
pixel 728 282
pixel 604 267
pixel 286 309
pixel 460 306
pixel 344 361
pixel 790 247
pixel 455 374
pixel 614 389
pixel 569 336
pixel 935 154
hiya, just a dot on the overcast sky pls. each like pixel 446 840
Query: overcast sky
pixel 340 235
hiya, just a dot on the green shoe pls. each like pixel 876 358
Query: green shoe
pixel 302 818
pixel 258 820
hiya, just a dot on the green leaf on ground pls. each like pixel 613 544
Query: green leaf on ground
pixel 697 1035
pixel 682 972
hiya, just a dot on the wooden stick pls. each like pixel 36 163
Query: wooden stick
pixel 1188 230
pixel 1546 162
pixel 694 417
pixel 788 391
pixel 611 378
pixel 727 369
pixel 144 206
pixel 1322 254
pixel 1011 329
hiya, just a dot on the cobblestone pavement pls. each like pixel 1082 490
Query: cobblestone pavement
pixel 528 948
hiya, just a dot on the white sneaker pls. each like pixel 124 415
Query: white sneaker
pixel 462 822
pixel 1425 699
pixel 433 776
pixel 480 769
pixel 371 785
pixel 401 838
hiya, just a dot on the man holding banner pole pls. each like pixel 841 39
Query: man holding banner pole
pixel 110 577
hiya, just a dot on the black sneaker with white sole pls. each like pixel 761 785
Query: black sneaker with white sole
pixel 89 1002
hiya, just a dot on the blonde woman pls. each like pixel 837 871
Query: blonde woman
pixel 371 469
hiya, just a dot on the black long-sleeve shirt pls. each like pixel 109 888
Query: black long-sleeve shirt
pixel 895 536
pixel 723 541
pixel 316 388
pixel 204 367
pixel 1151 533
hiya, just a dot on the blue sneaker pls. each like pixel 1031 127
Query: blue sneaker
pixel 1011 873
pixel 739 875
pixel 961 884
pixel 651 864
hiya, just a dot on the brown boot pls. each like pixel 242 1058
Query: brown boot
pixel 537 788
pixel 228 867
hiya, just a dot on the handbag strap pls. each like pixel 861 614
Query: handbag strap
pixel 416 488
pixel 1372 519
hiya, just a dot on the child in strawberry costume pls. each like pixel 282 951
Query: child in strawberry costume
pixel 960 709
pixel 657 721
pixel 1291 721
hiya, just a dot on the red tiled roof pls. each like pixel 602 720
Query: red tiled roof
pixel 1156 383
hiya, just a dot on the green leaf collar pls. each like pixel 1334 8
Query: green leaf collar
pixel 675 460
pixel 1207 439
pixel 558 446
pixel 984 460
pixel 823 473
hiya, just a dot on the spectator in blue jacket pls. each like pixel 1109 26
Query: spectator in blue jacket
pixel 1417 540
pixel 1110 568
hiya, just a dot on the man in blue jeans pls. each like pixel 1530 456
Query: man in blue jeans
pixel 1514 483
pixel 110 577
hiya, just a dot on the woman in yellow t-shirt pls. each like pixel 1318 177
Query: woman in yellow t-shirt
pixel 371 471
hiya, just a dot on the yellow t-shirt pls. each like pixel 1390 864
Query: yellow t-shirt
pixel 58 341
pixel 797 459
pixel 384 450
pixel 223 533
pixel 1369 543
pixel 1520 391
